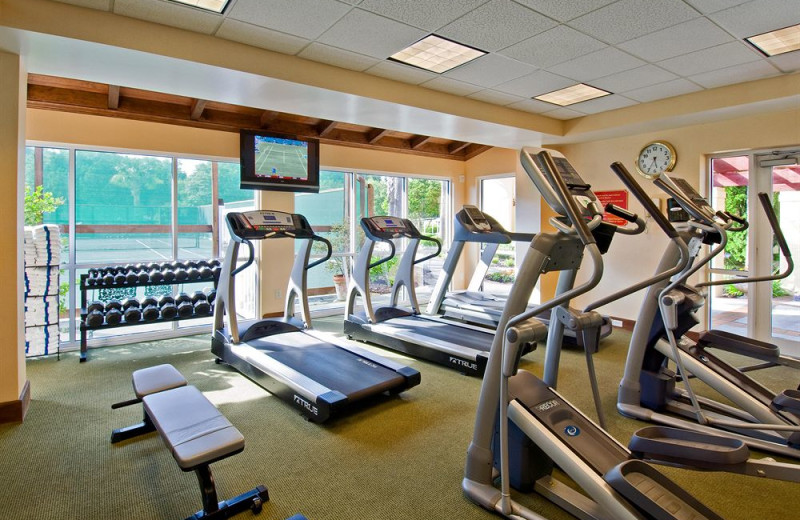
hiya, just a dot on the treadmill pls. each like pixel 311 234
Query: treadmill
pixel 316 374
pixel 474 305
pixel 459 346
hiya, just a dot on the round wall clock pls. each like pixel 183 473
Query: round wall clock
pixel 656 158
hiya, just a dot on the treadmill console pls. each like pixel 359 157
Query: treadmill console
pixel 475 219
pixel 261 224
pixel 389 228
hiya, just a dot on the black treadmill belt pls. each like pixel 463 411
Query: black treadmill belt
pixel 327 364
pixel 434 329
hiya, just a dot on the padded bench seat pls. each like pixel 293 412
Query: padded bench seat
pixel 192 428
pixel 156 379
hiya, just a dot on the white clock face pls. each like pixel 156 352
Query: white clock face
pixel 656 158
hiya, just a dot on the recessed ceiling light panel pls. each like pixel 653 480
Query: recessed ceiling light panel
pixel 436 54
pixel 571 95
pixel 215 6
pixel 777 42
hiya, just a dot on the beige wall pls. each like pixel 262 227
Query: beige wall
pixel 77 129
pixel 640 254
pixel 12 170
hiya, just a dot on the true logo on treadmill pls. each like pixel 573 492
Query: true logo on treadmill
pixel 305 404
pixel 572 430
pixel 463 363
pixel 369 364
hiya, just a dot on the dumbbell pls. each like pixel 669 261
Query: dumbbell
pixel 143 276
pixel 120 277
pixel 156 276
pixel 201 305
pixel 190 264
pixel 153 265
pixel 169 275
pixel 113 312
pixel 181 275
pixel 131 277
pixel 202 263
pixel 150 310
pixel 131 310
pixel 205 272
pixel 94 314
pixel 192 273
pixel 214 263
pixel 211 295
pixel 108 279
pixel 167 305
pixel 216 270
pixel 184 303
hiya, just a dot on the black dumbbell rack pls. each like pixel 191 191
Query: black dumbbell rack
pixel 84 303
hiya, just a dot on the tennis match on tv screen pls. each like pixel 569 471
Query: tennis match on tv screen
pixel 281 158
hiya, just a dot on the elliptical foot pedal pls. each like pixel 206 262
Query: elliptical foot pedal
pixel 655 494
pixel 701 450
pixel 788 401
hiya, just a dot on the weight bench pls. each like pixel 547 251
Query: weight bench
pixel 197 435
pixel 147 381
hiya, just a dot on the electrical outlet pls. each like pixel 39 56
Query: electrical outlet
pixel 278 294
pixel 616 323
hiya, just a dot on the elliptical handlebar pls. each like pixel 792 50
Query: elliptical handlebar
pixel 630 183
pixel 776 227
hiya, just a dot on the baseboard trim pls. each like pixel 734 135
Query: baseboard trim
pixel 14 411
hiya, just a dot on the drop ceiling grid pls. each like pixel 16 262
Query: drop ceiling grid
pixel 640 50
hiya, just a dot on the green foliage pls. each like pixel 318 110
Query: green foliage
pixel 63 292
pixel 736 249
pixel 37 203
pixel 777 290
pixel 731 291
pixel 384 273
pixel 424 197
pixel 504 276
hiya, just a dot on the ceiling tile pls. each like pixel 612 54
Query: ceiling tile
pixel 719 57
pixel 495 97
pixel 241 32
pixel 565 10
pixel 337 57
pixel 563 113
pixel 627 19
pixel 451 86
pixel 633 79
pixel 788 62
pixel 425 14
pixel 400 72
pixel 597 64
pixel 490 70
pixel 667 89
pixel 167 13
pixel 712 6
pixel 612 102
pixel 303 18
pixel 539 82
pixel 495 25
pixel 681 39
pixel 532 105
pixel 103 5
pixel 557 45
pixel 758 16
pixel 369 34
pixel 736 74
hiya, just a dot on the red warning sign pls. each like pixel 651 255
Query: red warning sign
pixel 616 197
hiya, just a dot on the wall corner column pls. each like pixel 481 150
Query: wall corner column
pixel 14 387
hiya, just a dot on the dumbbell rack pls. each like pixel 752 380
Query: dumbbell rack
pixel 84 288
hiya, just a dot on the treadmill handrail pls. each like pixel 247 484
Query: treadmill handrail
pixel 317 238
pixel 251 255
pixel 424 238
pixel 388 257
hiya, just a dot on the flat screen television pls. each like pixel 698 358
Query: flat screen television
pixel 278 162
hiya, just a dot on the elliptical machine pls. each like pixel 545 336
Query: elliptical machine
pixel 757 416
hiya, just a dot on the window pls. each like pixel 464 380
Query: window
pixel 122 208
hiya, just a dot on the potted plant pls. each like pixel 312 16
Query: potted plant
pixel 340 241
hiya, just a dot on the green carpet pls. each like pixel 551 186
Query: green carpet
pixel 399 459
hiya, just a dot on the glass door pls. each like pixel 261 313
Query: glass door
pixel 767 311
pixel 497 199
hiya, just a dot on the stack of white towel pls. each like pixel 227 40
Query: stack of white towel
pixel 42 257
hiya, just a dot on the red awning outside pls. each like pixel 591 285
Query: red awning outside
pixel 734 171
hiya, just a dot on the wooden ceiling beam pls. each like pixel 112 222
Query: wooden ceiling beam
pixel 325 127
pixel 376 134
pixel 474 149
pixel 113 97
pixel 418 141
pixel 456 147
pixel 198 105
pixel 268 117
